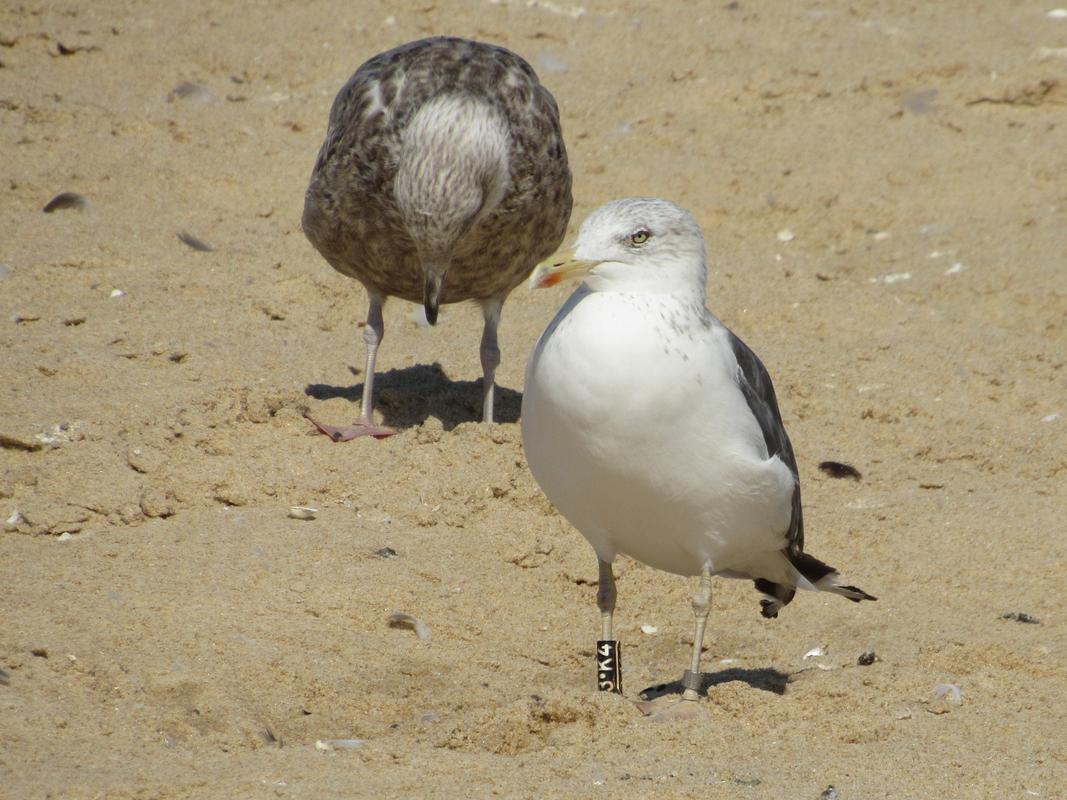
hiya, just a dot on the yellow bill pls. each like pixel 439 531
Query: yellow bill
pixel 557 269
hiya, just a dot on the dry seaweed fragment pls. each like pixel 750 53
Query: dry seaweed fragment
pixel 839 469
pixel 188 239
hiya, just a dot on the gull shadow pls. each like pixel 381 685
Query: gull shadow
pixel 407 397
pixel 766 679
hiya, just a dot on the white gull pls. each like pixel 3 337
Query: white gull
pixel 655 430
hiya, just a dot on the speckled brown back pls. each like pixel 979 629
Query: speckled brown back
pixel 350 210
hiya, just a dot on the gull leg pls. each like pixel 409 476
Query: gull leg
pixel 609 670
pixel 701 607
pixel 490 353
pixel 364 426
pixel 605 598
pixel 686 708
pixel 373 333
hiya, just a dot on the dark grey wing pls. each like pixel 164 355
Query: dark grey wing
pixel 755 384
pixel 758 390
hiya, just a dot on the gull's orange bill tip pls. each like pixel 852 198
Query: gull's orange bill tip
pixel 548 279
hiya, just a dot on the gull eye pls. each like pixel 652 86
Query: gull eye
pixel 638 238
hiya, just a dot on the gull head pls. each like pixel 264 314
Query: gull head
pixel 638 244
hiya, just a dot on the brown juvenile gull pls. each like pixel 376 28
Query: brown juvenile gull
pixel 443 178
pixel 654 430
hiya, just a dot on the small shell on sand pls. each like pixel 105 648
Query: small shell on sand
pixel 303 512
pixel 339 744
pixel 950 691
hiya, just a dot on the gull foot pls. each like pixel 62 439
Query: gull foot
pixel 360 427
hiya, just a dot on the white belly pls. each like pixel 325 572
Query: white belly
pixel 648 448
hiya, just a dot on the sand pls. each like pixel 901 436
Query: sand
pixel 881 185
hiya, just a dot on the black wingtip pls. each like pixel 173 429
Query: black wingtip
pixel 431 312
pixel 856 593
pixel 769 608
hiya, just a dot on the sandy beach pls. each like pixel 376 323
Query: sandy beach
pixel 881 186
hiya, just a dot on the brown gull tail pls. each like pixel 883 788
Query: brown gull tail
pixel 431 296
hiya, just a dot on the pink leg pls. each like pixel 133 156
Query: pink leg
pixel 490 353
pixel 365 425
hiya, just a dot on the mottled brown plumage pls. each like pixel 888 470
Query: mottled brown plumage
pixel 443 178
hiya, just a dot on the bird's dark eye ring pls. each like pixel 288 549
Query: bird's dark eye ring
pixel 639 237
